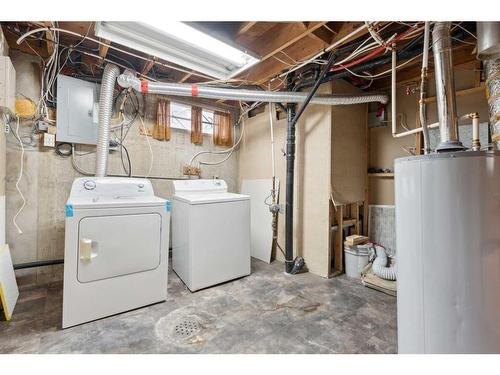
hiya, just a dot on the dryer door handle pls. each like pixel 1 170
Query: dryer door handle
pixel 86 245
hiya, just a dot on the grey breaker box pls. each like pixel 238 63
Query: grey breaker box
pixel 77 110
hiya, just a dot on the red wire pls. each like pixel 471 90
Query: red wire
pixel 374 52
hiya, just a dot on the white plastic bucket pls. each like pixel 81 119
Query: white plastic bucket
pixel 356 259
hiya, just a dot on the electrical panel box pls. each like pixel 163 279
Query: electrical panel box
pixel 7 84
pixel 77 110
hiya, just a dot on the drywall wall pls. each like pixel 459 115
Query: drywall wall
pixel 254 160
pixel 312 182
pixel 384 149
pixel 47 178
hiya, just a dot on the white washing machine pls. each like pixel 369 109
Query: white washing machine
pixel 116 248
pixel 210 233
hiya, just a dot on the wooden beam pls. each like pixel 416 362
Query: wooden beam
pixel 186 77
pixel 338 255
pixel 245 27
pixel 148 65
pixel 285 37
pixel 49 36
pixel 323 35
pixel 103 50
pixel 472 90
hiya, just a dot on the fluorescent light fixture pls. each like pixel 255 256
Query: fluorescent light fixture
pixel 180 44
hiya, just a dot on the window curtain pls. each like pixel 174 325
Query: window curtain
pixel 161 131
pixel 196 126
pixel 223 129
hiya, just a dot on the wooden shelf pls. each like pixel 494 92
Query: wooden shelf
pixel 381 175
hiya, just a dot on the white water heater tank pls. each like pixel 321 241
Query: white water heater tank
pixel 448 243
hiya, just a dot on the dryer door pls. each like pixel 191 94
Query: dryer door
pixel 117 245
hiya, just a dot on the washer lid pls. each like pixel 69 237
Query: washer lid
pixel 200 186
pixel 204 198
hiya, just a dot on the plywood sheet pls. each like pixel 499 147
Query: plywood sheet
pixel 261 232
pixel 349 148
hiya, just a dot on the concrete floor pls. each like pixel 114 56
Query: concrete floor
pixel 267 312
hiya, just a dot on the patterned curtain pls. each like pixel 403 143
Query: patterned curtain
pixel 223 129
pixel 196 126
pixel 161 130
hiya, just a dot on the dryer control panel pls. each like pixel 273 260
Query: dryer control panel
pixel 111 187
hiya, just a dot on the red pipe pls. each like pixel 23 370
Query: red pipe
pixel 374 52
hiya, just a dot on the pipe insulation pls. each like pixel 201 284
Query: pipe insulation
pixel 208 92
pixel 109 76
pixel 445 88
pixel 379 266
pixel 492 69
pixel 488 50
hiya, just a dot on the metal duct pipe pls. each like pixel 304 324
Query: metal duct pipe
pixel 423 90
pixel 488 40
pixel 208 92
pixel 445 88
pixel 109 76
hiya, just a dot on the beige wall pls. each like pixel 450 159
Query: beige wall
pixel 330 142
pixel 349 148
pixel 312 176
pixel 384 149
pixel 47 179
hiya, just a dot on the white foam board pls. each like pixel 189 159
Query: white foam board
pixel 261 232
pixel 8 285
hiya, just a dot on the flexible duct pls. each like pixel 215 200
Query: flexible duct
pixel 208 92
pixel 445 88
pixel 488 50
pixel 109 76
pixel 379 266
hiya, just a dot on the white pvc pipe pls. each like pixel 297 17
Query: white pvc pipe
pixel 475 133
pixel 273 164
pixel 415 131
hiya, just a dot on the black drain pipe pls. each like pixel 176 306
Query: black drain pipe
pixel 39 263
pixel 290 166
pixel 293 266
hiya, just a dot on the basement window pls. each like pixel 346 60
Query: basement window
pixel 180 118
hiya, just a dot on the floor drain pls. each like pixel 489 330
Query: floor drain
pixel 187 328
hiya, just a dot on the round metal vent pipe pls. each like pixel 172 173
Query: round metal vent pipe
pixel 109 76
pixel 445 88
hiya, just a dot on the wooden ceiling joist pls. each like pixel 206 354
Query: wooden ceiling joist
pixel 245 27
pixel 148 65
pixel 285 37
pixel 103 49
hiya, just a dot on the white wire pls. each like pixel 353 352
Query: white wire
pixel 14 220
pixel 369 76
pixel 150 148
pixel 229 150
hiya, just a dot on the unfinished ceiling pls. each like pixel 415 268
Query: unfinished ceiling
pixel 281 46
